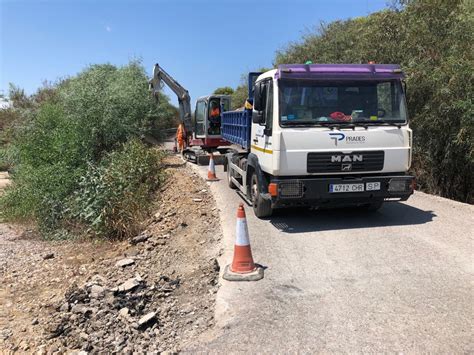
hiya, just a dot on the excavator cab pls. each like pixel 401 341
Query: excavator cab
pixel 207 120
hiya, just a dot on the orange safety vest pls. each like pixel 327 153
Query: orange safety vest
pixel 215 112
pixel 180 132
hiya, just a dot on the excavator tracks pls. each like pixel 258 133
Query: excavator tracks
pixel 199 156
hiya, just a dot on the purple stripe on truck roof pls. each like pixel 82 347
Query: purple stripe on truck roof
pixel 340 71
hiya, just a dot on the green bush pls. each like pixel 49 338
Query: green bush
pixel 111 105
pixel 8 119
pixel 49 164
pixel 68 133
pixel 5 159
pixel 113 197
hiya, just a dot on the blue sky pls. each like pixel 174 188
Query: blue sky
pixel 204 44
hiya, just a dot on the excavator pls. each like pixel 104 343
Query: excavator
pixel 203 131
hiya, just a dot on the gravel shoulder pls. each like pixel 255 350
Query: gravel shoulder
pixel 155 292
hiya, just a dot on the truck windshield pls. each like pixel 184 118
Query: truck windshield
pixel 344 102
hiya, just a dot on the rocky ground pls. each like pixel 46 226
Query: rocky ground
pixel 153 293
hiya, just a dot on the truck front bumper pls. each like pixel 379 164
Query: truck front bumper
pixel 316 192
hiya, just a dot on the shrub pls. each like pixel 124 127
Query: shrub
pixel 68 134
pixel 113 197
pixel 111 105
pixel 8 119
pixel 50 163
pixel 6 157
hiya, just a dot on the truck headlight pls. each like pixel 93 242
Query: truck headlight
pixel 291 189
pixel 398 185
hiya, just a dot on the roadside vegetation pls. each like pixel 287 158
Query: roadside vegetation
pixel 238 96
pixel 76 155
pixel 433 42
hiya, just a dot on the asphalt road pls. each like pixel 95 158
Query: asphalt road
pixel 398 280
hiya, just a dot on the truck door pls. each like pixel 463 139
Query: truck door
pixel 262 133
pixel 200 117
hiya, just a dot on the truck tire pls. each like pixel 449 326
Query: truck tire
pixel 261 207
pixel 229 174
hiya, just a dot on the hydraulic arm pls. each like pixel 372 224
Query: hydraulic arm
pixel 184 100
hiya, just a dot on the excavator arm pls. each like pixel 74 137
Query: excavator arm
pixel 184 100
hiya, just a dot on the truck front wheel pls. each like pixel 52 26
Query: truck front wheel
pixel 261 207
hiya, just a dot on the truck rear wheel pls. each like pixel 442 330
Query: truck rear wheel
pixel 261 207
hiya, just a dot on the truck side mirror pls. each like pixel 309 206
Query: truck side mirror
pixel 257 117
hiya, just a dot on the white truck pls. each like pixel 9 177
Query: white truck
pixel 321 135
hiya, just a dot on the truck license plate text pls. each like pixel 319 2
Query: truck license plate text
pixel 346 187
pixel 372 186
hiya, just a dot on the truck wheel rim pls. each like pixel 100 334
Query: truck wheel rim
pixel 254 191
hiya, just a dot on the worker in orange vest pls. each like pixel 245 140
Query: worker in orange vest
pixel 215 118
pixel 181 137
pixel 215 111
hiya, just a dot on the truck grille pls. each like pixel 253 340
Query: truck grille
pixel 337 162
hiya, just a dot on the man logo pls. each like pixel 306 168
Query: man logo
pixel 346 167
pixel 346 158
pixel 337 137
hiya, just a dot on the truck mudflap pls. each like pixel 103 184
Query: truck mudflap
pixel 340 191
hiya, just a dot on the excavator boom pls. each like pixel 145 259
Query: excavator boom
pixel 184 100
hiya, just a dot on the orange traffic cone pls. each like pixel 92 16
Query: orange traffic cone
pixel 243 267
pixel 211 172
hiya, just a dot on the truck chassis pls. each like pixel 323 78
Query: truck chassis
pixel 310 191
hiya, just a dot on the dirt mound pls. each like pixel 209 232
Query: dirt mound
pixel 155 292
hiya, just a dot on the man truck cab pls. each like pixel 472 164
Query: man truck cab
pixel 324 135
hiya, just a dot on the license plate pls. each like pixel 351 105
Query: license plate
pixel 346 188
pixel 372 186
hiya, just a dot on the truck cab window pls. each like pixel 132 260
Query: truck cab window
pixel 343 102
pixel 225 104
pixel 269 107
pixel 388 100
pixel 200 117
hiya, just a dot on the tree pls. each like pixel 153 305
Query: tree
pixel 239 96
pixel 225 90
